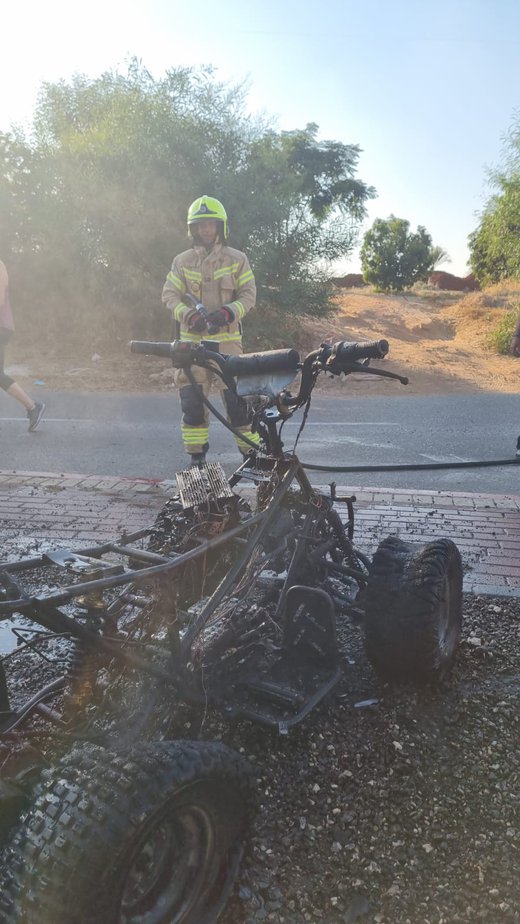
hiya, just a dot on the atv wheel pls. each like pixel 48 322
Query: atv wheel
pixel 150 836
pixel 413 610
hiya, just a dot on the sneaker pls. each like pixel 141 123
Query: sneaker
pixel 518 448
pixel 35 415
pixel 197 459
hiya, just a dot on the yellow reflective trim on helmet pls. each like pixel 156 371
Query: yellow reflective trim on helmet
pixel 207 207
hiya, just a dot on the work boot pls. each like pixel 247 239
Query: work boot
pixel 197 459
pixel 35 415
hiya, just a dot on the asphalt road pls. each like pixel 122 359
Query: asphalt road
pixel 139 435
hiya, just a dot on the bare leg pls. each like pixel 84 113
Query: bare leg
pixel 16 391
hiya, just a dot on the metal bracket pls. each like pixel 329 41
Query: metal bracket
pixel 82 564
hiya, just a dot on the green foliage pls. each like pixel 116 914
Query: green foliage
pixel 93 202
pixel 495 244
pixel 394 259
pixel 500 337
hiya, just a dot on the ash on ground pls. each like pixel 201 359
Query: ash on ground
pixel 394 805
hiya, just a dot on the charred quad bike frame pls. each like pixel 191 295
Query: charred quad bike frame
pixel 234 603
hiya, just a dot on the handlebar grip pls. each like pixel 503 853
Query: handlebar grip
pixel 151 348
pixel 344 353
pixel 368 349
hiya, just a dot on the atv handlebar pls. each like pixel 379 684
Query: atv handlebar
pixel 343 356
pixel 185 353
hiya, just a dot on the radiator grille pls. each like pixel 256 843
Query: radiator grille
pixel 197 485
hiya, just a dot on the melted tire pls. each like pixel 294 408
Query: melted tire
pixel 153 835
pixel 413 610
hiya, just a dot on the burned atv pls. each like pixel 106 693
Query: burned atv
pixel 231 601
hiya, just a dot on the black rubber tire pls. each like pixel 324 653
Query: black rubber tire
pixel 413 610
pixel 110 832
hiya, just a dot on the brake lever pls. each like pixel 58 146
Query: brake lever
pixel 384 373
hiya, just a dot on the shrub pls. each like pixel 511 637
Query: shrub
pixel 500 337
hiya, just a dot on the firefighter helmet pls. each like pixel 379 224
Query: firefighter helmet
pixel 207 207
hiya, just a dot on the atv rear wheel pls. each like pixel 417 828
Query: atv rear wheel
pixel 413 610
pixel 150 836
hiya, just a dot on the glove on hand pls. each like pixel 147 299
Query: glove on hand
pixel 197 322
pixel 221 317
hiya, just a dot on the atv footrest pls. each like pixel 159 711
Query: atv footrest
pixel 306 670
pixel 276 691
pixel 271 702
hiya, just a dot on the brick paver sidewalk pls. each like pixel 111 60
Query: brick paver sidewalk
pixel 62 508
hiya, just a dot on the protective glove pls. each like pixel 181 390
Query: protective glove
pixel 221 317
pixel 196 322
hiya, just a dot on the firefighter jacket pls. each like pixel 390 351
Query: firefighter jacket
pixel 219 277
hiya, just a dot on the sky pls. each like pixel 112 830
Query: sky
pixel 426 88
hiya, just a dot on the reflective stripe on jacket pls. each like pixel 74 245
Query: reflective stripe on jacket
pixel 221 277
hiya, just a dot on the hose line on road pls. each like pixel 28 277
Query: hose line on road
pixel 420 467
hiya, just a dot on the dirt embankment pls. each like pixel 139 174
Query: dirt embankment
pixel 439 340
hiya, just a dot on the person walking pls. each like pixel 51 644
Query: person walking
pixel 34 409
pixel 220 280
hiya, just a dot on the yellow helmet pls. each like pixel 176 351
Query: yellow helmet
pixel 207 207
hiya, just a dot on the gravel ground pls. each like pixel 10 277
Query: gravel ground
pixel 403 811
pixel 391 805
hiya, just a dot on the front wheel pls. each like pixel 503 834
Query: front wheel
pixel 150 836
pixel 413 611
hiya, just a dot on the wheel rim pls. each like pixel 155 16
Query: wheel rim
pixel 171 868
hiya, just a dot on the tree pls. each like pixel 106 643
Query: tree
pixel 394 259
pixel 495 244
pixel 96 196
pixel 301 208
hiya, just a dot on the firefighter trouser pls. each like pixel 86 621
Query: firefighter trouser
pixel 195 415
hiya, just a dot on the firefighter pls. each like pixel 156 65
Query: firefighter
pixel 221 279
